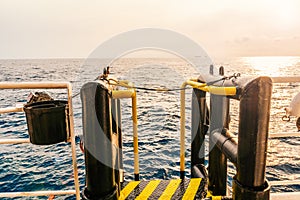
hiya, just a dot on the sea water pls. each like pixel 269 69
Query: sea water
pixel 27 167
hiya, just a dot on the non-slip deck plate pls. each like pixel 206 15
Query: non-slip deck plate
pixel 186 189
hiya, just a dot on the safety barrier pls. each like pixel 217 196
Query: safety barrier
pixel 71 137
pixel 101 105
pixel 276 80
pixel 224 144
pixel 249 153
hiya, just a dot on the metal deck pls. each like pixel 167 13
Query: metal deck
pixel 185 189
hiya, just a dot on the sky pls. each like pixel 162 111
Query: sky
pixel 74 28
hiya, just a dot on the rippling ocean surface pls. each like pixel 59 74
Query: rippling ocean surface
pixel 27 167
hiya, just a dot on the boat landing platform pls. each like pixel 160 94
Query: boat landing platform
pixel 185 189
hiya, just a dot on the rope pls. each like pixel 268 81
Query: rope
pixel 75 95
pixel 235 75
pixel 151 89
pixel 143 88
pixel 117 83
pixel 159 89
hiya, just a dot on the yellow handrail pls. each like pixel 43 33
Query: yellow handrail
pixel 218 90
pixel 131 93
pixel 204 87
pixel 192 82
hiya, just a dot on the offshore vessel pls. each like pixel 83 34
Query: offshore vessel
pixel 51 122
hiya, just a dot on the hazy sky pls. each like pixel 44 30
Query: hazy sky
pixel 73 28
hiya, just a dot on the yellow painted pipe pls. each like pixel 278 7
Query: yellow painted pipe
pixel 135 134
pixel 122 83
pixel 222 90
pixel 131 93
pixel 212 89
pixel 182 128
pixel 119 94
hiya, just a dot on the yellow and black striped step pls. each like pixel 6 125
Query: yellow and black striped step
pixel 186 189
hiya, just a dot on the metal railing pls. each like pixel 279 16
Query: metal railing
pixel 205 88
pixel 226 143
pixel 292 79
pixel 71 139
pixel 130 92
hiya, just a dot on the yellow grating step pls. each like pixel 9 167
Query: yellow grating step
pixel 185 189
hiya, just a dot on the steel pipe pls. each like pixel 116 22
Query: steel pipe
pixel 34 85
pixel 199 127
pixel 14 141
pixel 98 142
pixel 286 79
pixel 255 100
pixel 37 193
pixel 217 168
pixel 71 137
pixel 11 109
pixel 253 132
pixel 204 87
pixel 283 135
pixel 226 145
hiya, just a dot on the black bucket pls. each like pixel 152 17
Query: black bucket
pixel 46 121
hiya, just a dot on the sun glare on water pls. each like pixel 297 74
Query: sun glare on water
pixel 270 65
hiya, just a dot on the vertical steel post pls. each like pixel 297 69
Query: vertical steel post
pixel 99 142
pixel 135 138
pixel 219 119
pixel 250 181
pixel 199 127
pixel 211 70
pixel 121 167
pixel 116 129
pixel 221 71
